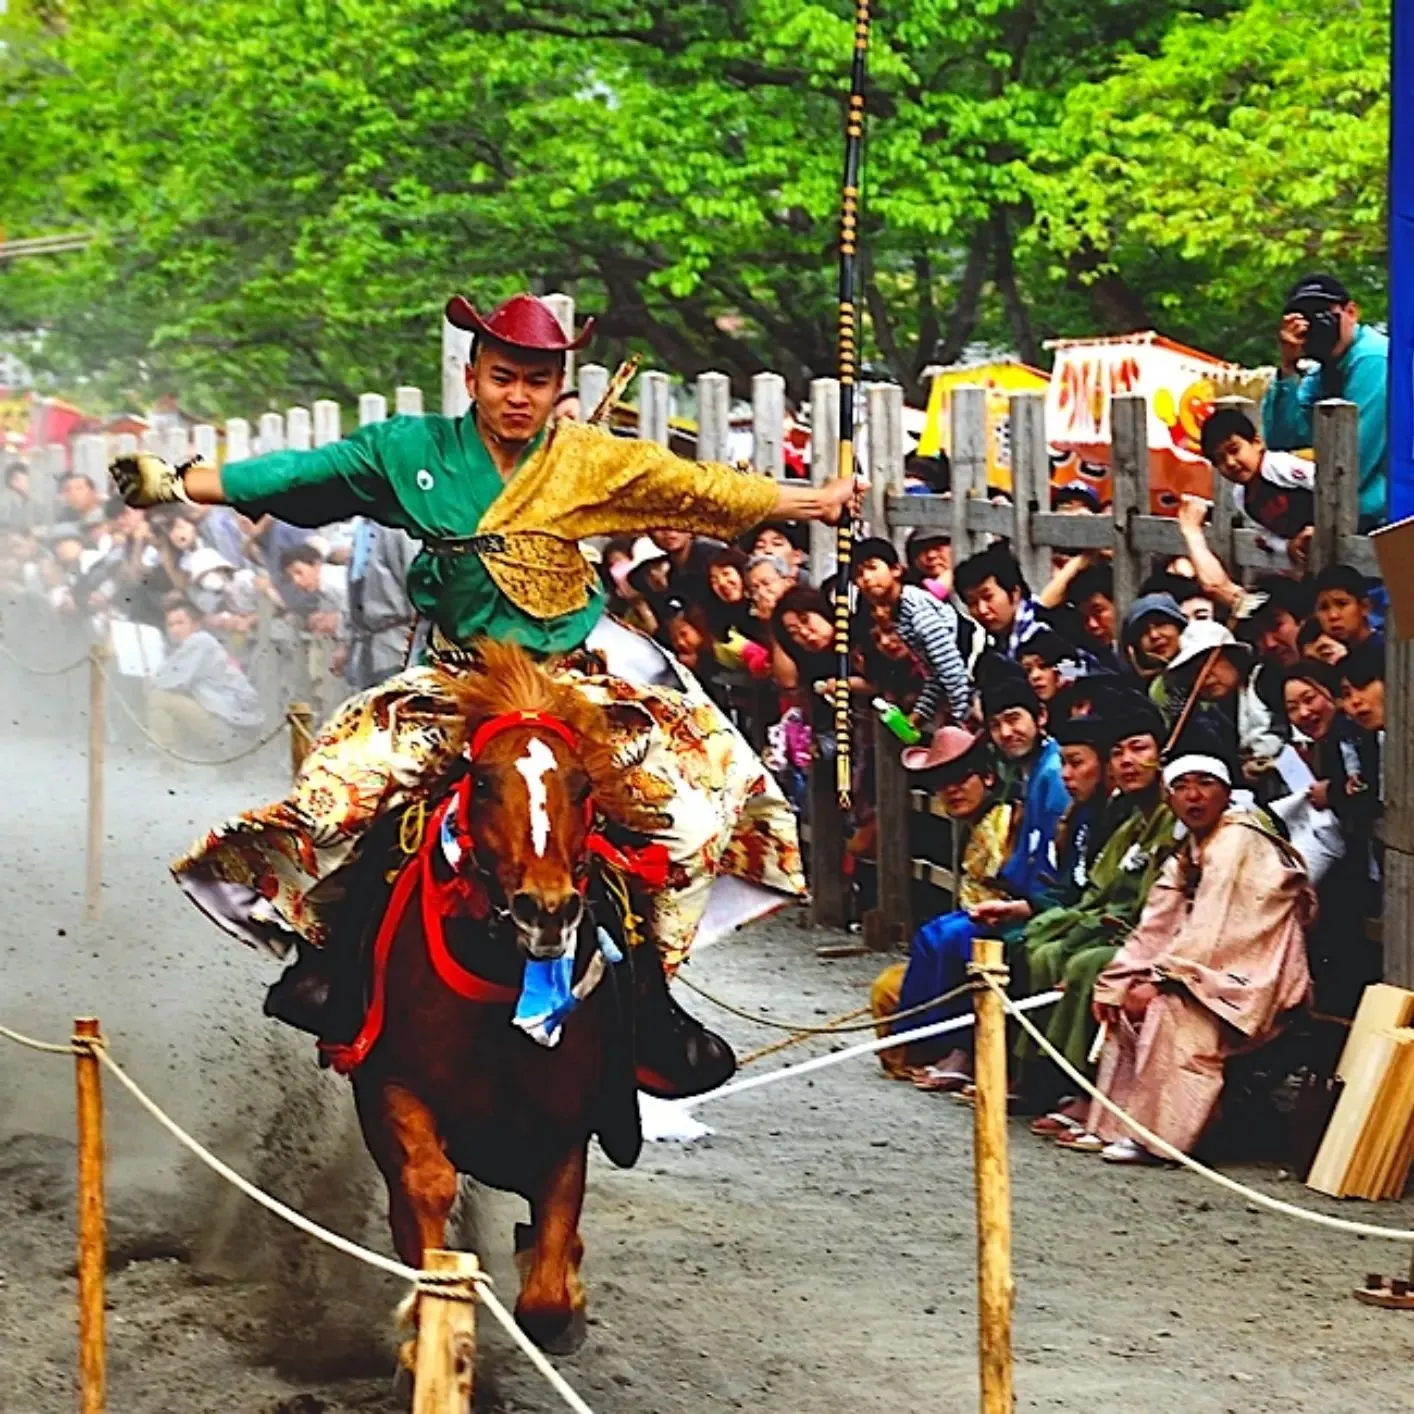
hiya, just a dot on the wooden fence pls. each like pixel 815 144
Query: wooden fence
pixel 1128 531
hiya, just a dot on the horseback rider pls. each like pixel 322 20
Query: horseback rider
pixel 499 498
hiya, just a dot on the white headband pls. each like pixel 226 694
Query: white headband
pixel 1197 763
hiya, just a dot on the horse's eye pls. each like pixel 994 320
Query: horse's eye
pixel 481 785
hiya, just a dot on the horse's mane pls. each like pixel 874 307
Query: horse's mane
pixel 508 679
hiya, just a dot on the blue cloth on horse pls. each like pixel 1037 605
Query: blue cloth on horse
pixel 546 999
pixel 937 962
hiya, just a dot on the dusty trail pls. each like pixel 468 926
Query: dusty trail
pixel 815 1255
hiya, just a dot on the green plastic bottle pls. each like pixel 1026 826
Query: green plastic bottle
pixel 896 720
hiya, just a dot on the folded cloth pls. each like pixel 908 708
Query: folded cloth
pixel 546 999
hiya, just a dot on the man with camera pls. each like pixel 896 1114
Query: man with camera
pixel 1320 321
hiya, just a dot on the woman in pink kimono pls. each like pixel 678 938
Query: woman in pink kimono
pixel 1217 960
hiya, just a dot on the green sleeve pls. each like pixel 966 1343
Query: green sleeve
pixel 313 488
pixel 1367 386
pixel 1286 414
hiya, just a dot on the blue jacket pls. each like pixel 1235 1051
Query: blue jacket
pixel 1361 375
pixel 1030 872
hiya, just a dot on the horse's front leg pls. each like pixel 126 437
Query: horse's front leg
pixel 551 1305
pixel 404 1139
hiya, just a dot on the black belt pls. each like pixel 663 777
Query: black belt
pixel 467 545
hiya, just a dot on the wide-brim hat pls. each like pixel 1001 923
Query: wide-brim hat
pixel 1153 606
pixel 644 551
pixel 203 560
pixel 522 322
pixel 949 746
pixel 1200 638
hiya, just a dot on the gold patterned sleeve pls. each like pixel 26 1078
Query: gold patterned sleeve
pixel 588 482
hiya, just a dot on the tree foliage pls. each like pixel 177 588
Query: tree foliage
pixel 285 193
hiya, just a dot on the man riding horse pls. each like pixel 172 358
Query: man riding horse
pixel 500 498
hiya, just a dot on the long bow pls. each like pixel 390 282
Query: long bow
pixel 848 356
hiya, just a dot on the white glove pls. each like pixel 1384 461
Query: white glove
pixel 147 480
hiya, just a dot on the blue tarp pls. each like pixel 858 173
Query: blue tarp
pixel 1401 266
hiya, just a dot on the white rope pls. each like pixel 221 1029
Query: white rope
pixel 864 1048
pixel 1162 1146
pixel 422 1280
pixel 50 1047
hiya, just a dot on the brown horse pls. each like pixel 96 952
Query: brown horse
pixel 447 1084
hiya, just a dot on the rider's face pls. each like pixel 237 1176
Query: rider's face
pixel 514 390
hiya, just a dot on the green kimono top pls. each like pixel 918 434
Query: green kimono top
pixel 431 477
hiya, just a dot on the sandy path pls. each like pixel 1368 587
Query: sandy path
pixel 816 1254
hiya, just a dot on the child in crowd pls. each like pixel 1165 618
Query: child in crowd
pixel 1277 490
pixel 1314 642
pixel 1049 663
pixel 1343 605
pixel 925 623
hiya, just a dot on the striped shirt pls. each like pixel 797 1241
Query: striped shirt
pixel 929 627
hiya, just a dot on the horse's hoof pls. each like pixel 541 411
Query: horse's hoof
pixel 555 1332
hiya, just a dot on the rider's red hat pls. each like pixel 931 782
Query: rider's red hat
pixel 522 322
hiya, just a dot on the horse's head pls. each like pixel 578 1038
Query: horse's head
pixel 539 759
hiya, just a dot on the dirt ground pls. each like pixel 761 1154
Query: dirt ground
pixel 816 1254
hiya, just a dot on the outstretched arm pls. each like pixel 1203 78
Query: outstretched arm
pixel 1213 577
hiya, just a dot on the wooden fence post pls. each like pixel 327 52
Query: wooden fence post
pixel 326 422
pixel 445 1370
pixel 92 1223
pixel 829 893
pixel 205 443
pixel 714 417
pixel 1129 445
pixel 654 395
pixel 407 400
pixel 176 445
pixel 299 429
pixel 893 860
pixel 237 439
pixel 562 307
pixel 97 747
pixel 372 407
pixel 969 464
pixel 593 384
pixel 1030 484
pixel 995 1292
pixel 1336 426
pixel 301 720
pixel 271 433
pixel 456 350
pixel 768 424
pixel 1398 863
pixel 824 466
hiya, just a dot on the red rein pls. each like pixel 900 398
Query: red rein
pixel 465 893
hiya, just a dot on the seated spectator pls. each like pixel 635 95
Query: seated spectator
pixel 1069 945
pixel 727 604
pixel 688 558
pixel 1276 490
pixel 1049 662
pixel 925 623
pixel 802 623
pixel 1314 642
pixel 689 637
pixel 1153 628
pixel 1228 703
pixel 1029 773
pixel 227 597
pixel 1214 966
pixel 1362 687
pixel 990 584
pixel 957 766
pixel 1320 321
pixel 1080 835
pixel 768 579
pixel 891 665
pixel 1274 626
pixel 1092 592
pixel 1343 605
pixel 198 700
pixel 627 603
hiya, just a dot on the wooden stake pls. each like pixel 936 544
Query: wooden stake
pixel 994 1284
pixel 91 1222
pixel 97 745
pixel 446 1339
pixel 301 717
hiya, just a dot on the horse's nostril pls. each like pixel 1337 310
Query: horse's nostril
pixel 526 909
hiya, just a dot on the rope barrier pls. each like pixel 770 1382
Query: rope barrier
pixel 40 672
pixel 1162 1146
pixel 441 1284
pixel 864 1048
pixel 277 730
pixel 833 1027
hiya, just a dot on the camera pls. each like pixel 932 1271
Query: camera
pixel 1322 333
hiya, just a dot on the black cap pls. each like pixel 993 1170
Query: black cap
pixel 1003 684
pixel 1316 291
pixel 1133 714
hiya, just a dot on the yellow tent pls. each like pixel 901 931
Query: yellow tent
pixel 1000 380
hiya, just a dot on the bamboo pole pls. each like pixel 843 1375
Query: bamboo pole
pixel 92 1224
pixel 97 746
pixel 445 1370
pixel 301 719
pixel 994 1283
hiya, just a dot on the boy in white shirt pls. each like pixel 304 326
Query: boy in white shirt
pixel 1277 490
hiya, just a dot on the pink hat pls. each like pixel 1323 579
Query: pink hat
pixel 949 744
